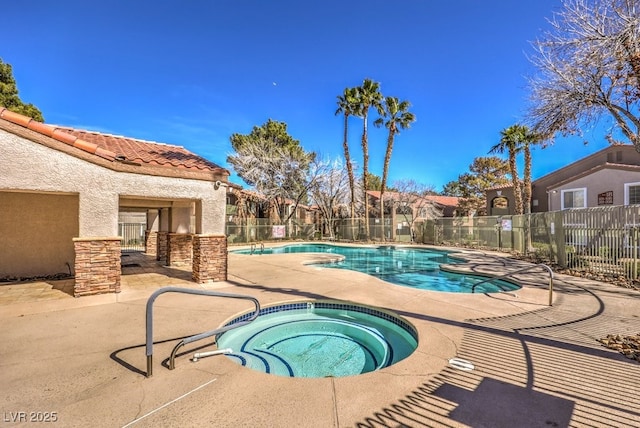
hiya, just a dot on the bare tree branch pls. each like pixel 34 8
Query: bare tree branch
pixel 588 67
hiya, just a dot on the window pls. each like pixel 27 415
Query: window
pixel 574 198
pixel 631 193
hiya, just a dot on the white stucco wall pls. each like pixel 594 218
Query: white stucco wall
pixel 25 165
pixel 153 220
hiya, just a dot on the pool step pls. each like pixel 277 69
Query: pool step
pixel 263 361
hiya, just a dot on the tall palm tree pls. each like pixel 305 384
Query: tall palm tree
pixel 530 138
pixel 511 140
pixel 368 95
pixel 396 116
pixel 347 105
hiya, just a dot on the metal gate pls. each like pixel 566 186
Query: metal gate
pixel 132 236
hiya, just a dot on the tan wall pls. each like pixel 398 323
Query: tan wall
pixel 599 182
pixel 36 231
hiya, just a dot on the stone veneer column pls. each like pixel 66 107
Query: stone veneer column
pixel 161 253
pixel 179 249
pixel 97 266
pixel 209 258
pixel 151 242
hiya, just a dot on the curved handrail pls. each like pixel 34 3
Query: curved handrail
pixel 149 321
pixel 548 269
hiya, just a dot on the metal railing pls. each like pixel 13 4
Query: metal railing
pixel 149 322
pixel 254 247
pixel 528 268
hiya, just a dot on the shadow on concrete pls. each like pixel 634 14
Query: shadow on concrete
pixel 136 263
pixel 496 403
pixel 115 355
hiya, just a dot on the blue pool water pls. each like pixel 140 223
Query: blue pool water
pixel 320 339
pixel 411 267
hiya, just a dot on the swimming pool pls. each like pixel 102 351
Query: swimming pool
pixel 319 339
pixel 410 267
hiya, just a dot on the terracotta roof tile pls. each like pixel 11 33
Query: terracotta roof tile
pixel 117 148
pixel 451 201
pixel 54 133
pixel 145 152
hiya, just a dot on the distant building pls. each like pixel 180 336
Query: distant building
pixel 610 176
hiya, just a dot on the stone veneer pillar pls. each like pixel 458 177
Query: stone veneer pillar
pixel 151 242
pixel 179 249
pixel 97 266
pixel 161 253
pixel 209 258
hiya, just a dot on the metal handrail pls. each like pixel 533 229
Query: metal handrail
pixel 473 287
pixel 149 321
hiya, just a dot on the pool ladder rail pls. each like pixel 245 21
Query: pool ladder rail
pixel 254 247
pixel 528 268
pixel 190 339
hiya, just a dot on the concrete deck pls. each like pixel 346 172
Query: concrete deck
pixel 82 361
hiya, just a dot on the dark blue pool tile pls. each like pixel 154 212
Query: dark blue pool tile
pixel 333 306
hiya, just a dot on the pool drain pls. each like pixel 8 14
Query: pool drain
pixel 460 364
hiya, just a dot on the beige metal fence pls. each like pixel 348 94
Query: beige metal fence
pixel 601 240
pixel 132 236
pixel 261 230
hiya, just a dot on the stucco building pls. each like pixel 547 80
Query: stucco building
pixel 61 191
pixel 610 176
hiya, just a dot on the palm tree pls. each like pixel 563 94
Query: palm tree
pixel 530 139
pixel 511 140
pixel 347 105
pixel 368 95
pixel 396 116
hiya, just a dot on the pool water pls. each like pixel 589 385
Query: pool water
pixel 320 339
pixel 410 267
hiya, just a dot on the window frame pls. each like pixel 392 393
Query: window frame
pixel 562 193
pixel 626 191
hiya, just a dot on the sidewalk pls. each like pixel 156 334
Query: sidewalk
pixel 534 365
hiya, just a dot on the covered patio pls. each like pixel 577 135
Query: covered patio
pixel 62 190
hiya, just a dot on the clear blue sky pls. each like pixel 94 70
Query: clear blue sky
pixel 192 73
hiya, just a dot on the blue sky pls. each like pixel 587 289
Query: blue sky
pixel 193 73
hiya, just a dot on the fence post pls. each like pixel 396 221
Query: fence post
pixel 634 271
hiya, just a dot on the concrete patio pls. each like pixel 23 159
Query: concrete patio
pixel 83 361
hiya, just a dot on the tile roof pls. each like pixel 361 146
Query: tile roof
pixel 117 148
pixel 501 186
pixel 146 152
pixel 450 201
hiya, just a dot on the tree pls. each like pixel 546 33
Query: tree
pixel 9 95
pixel 328 190
pixel 412 202
pixel 274 163
pixel 530 139
pixel 347 105
pixel 511 141
pixel 373 181
pixel 368 95
pixel 396 116
pixel 588 67
pixel 484 173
